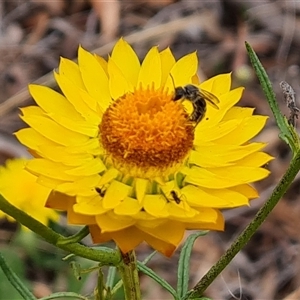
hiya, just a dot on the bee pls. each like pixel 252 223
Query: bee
pixel 198 98
pixel 175 197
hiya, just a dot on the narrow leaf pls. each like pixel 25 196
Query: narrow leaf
pixel 184 263
pixel 111 275
pixel 149 257
pixel 287 132
pixel 15 280
pixel 64 295
pixel 159 280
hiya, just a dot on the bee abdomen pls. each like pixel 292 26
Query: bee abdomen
pixel 199 106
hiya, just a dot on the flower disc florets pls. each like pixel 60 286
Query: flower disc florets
pixel 146 133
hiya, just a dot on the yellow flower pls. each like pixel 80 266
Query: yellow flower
pixel 124 158
pixel 19 187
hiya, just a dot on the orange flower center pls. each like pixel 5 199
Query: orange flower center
pixel 146 133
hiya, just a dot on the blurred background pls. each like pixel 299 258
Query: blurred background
pixel 33 36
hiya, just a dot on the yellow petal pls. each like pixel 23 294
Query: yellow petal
pixel 155 205
pixel 206 215
pixel 242 173
pixel 216 224
pixel 70 69
pixel 116 192
pixel 231 197
pixel 146 220
pixel 237 112
pixel 91 146
pixel 130 66
pixel 60 201
pixel 184 69
pixel 255 160
pixel 162 246
pixel 19 187
pixel 73 94
pixel 110 222
pixel 203 135
pixel 218 85
pixel 49 100
pixel 91 167
pixel 119 85
pixel 201 197
pixel 180 211
pixel 108 176
pixel 98 236
pixel 141 187
pixel 214 117
pixel 79 219
pixel 170 232
pixel 207 178
pixel 50 128
pixel 249 191
pixel 32 139
pixel 102 62
pixel 248 129
pixel 60 155
pixel 148 77
pixel 124 243
pixel 90 206
pixel 128 207
pixel 49 169
pixel 51 183
pixel 94 77
pixel 218 156
pixel 167 62
pixel 82 187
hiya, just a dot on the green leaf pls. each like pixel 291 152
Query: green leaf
pixel 14 280
pixel 287 132
pixel 149 257
pixel 159 280
pixel 116 289
pixel 111 275
pixel 64 295
pixel 184 263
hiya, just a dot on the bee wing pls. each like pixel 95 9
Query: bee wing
pixel 211 98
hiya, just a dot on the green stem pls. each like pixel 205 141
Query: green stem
pixel 99 292
pixel 75 238
pixel 15 280
pixel 245 236
pixel 129 274
pixel 106 257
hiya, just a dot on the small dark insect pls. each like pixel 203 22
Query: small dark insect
pixel 198 98
pixel 100 191
pixel 175 197
pixel 289 96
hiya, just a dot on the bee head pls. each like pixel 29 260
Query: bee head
pixel 179 93
pixel 189 92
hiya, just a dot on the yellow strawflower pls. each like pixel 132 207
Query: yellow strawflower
pixel 124 158
pixel 19 187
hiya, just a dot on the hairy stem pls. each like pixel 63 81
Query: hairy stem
pixel 129 274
